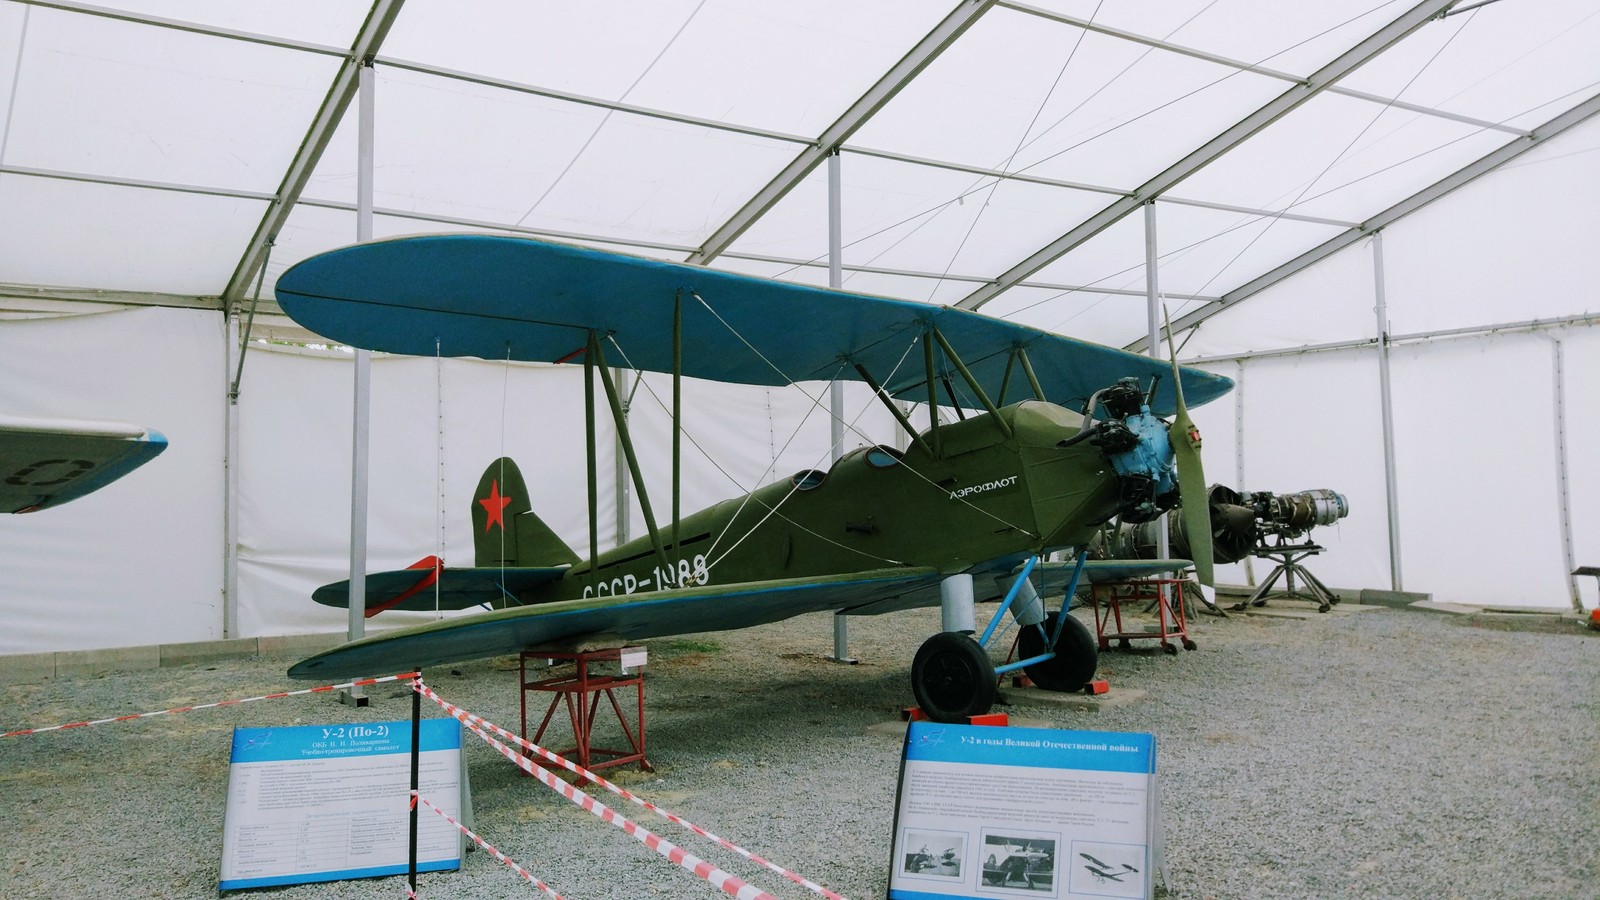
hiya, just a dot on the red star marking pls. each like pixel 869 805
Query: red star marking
pixel 495 505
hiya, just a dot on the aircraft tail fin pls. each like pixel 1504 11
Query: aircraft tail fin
pixel 506 532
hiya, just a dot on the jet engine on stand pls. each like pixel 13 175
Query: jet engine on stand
pixel 1262 524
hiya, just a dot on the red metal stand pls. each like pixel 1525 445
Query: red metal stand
pixel 1109 597
pixel 581 691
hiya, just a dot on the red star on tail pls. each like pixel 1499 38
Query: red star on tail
pixel 495 505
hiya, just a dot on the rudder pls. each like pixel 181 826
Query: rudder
pixel 505 530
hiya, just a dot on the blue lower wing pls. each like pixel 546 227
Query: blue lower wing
pixel 626 618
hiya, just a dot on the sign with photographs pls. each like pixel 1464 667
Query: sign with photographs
pixel 993 813
pixel 311 803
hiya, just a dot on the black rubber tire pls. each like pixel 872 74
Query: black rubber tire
pixel 952 677
pixel 1075 660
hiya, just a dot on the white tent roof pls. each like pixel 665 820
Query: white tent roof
pixel 151 148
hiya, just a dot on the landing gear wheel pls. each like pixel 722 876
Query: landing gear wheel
pixel 1189 645
pixel 1075 659
pixel 1169 648
pixel 952 677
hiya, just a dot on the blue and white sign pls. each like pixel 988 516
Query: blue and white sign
pixel 330 802
pixel 987 813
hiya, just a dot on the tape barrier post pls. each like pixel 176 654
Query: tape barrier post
pixel 416 757
pixel 471 720
pixel 406 676
pixel 489 848
pixel 724 881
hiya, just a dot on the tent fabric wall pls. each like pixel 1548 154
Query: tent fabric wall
pixel 148 195
pixel 295 452
pixel 140 561
pixel 1475 433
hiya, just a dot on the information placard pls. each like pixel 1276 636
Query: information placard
pixel 989 813
pixel 329 802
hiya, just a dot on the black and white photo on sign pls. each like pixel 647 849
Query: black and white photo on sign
pixel 1106 870
pixel 1020 861
pixel 939 854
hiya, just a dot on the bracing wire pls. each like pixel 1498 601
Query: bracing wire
pixel 1341 154
pixel 748 492
pixel 439 510
pixel 505 393
pixel 1250 220
pixel 562 175
pixel 934 210
pixel 1021 142
pixel 816 401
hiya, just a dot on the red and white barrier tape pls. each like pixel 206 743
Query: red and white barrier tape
pixel 408 676
pixel 415 798
pixel 470 719
pixel 724 881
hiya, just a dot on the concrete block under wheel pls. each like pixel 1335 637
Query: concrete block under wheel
pixel 1078 701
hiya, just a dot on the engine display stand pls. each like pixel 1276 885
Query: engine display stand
pixel 1288 557
pixel 580 692
pixel 1108 597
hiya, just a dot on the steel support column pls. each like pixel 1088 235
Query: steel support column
pixel 1152 295
pixel 1238 453
pixel 841 625
pixel 230 487
pixel 361 416
pixel 1563 488
pixel 1390 478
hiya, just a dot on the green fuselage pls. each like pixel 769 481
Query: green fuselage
pixel 985 500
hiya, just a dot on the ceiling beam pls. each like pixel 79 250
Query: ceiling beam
pixel 1488 163
pixel 1295 97
pixel 365 47
pixel 1252 67
pixel 122 15
pixel 1025 178
pixel 109 297
pixel 925 52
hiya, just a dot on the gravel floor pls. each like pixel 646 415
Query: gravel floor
pixel 1386 753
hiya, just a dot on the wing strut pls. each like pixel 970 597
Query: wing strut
pixel 1027 368
pixel 888 402
pixel 621 421
pixel 1005 380
pixel 977 388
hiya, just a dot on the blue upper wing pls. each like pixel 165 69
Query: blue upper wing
pixel 501 297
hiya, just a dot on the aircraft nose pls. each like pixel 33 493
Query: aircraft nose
pixel 1146 465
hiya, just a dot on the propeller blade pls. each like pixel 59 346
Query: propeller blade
pixel 1192 491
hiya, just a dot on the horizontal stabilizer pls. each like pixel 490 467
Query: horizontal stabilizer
pixel 425 586
pixel 628 616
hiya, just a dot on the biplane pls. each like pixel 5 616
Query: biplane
pixel 1104 871
pixel 47 462
pixel 1049 437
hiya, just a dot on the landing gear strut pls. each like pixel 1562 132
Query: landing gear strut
pixel 952 675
